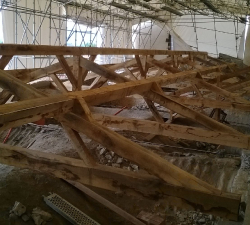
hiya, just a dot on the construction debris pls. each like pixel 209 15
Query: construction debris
pixel 40 217
pixel 18 209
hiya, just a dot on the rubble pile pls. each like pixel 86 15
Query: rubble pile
pixel 109 158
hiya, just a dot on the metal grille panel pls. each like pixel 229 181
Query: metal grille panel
pixel 68 211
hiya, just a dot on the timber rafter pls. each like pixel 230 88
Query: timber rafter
pixel 71 109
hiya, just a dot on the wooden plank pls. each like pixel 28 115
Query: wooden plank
pixel 138 61
pixel 106 203
pixel 175 131
pixel 77 69
pixel 130 73
pixel 59 83
pixel 162 65
pixel 4 96
pixel 197 91
pixel 28 108
pixel 15 49
pixel 154 111
pixel 67 70
pixel 86 110
pixel 225 205
pixel 238 86
pixel 17 87
pixel 98 82
pixel 184 90
pixel 211 103
pixel 208 63
pixel 203 84
pixel 17 123
pixel 102 71
pixel 83 73
pixel 189 113
pixel 146 159
pixel 92 97
pixel 39 73
pixel 230 75
pixel 128 63
pixel 5 59
pixel 81 148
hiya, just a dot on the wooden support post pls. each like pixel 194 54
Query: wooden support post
pixel 139 63
pixel 77 69
pixel 84 73
pixel 67 70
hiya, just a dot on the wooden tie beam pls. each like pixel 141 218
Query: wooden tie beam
pixel 71 109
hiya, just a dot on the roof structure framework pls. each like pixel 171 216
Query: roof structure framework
pixel 114 24
pixel 143 75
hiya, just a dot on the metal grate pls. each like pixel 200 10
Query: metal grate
pixel 68 211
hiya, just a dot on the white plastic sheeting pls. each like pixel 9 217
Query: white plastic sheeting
pixel 153 36
pixel 203 34
pixel 25 27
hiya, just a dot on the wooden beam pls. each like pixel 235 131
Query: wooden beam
pixel 24 109
pixel 126 64
pixel 18 123
pixel 86 110
pixel 59 83
pixel 29 108
pixel 154 111
pixel 225 205
pixel 106 203
pixel 162 65
pixel 175 131
pixel 84 73
pixel 15 49
pixel 208 63
pixel 102 71
pixel 77 69
pixel 189 113
pixel 4 96
pixel 138 60
pixel 81 148
pixel 17 87
pixel 238 86
pixel 146 159
pixel 48 70
pixel 5 59
pixel 203 84
pixel 211 103
pixel 67 70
